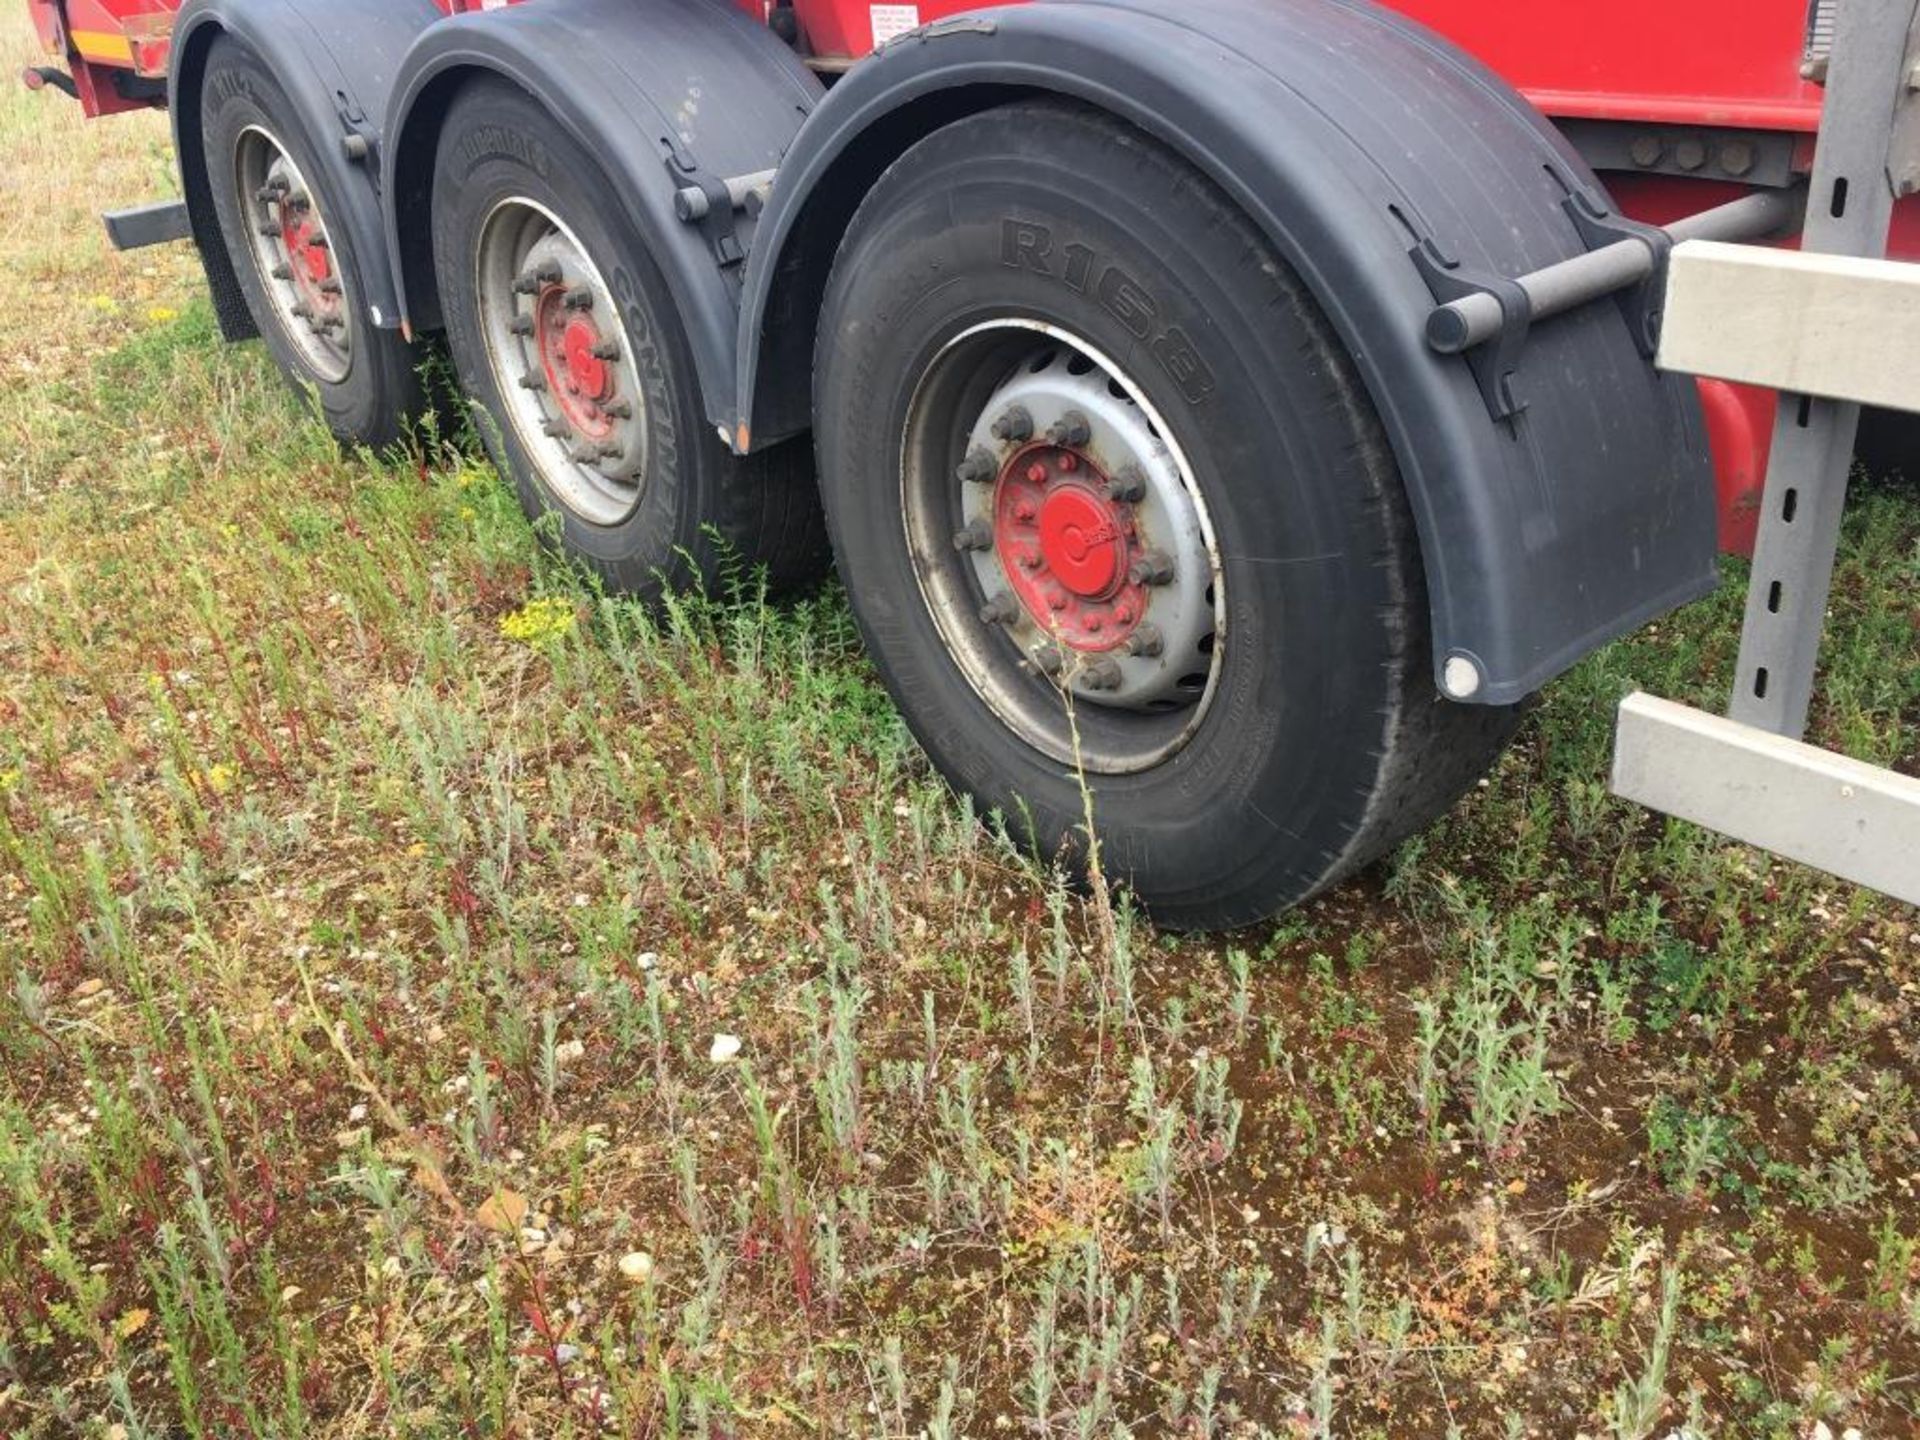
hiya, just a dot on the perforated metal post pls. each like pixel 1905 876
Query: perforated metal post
pixel 1849 208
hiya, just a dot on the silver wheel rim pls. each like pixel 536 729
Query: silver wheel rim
pixel 293 254
pixel 980 431
pixel 561 361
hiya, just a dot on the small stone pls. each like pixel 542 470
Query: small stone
pixel 88 987
pixel 637 1266
pixel 724 1048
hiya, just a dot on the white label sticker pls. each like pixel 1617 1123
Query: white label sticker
pixel 892 20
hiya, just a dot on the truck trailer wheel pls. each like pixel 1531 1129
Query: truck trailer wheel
pixel 1109 498
pixel 302 279
pixel 565 332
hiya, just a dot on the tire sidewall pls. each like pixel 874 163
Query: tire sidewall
pixel 497 146
pixel 951 238
pixel 372 401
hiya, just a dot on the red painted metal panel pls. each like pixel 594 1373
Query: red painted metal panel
pixel 1696 62
pixel 1704 62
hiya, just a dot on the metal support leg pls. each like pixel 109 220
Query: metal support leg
pixel 1850 205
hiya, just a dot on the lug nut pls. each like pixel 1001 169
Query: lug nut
pixel 1146 641
pixel 1155 567
pixel 1048 660
pixel 618 409
pixel 1036 474
pixel 528 282
pixel 282 272
pixel 1015 424
pixel 584 454
pixel 608 350
pixel 1002 609
pixel 609 450
pixel 319 242
pixel 1128 486
pixel 270 231
pixel 1101 674
pixel 300 201
pixel 521 325
pixel 301 310
pixel 330 286
pixel 579 298
pixel 1072 428
pixel 533 382
pixel 976 535
pixel 978 468
pixel 554 429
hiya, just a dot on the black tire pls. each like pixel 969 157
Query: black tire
pixel 697 507
pixel 1325 742
pixel 380 392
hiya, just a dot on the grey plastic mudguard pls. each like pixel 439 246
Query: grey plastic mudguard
pixel 337 60
pixel 1351 135
pixel 666 93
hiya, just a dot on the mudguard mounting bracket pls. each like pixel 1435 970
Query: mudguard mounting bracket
pixel 1494 364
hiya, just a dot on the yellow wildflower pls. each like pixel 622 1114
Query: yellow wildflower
pixel 105 304
pixel 9 781
pixel 230 530
pixel 219 778
pixel 161 314
pixel 467 512
pixel 538 621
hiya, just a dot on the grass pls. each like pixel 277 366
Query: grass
pixel 379 906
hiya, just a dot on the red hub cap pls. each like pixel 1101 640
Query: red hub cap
pixel 308 257
pixel 1067 547
pixel 571 352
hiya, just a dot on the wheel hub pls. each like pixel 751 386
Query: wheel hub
pixel 1067 547
pixel 309 255
pixel 1085 540
pixel 294 254
pixel 571 350
pixel 562 361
